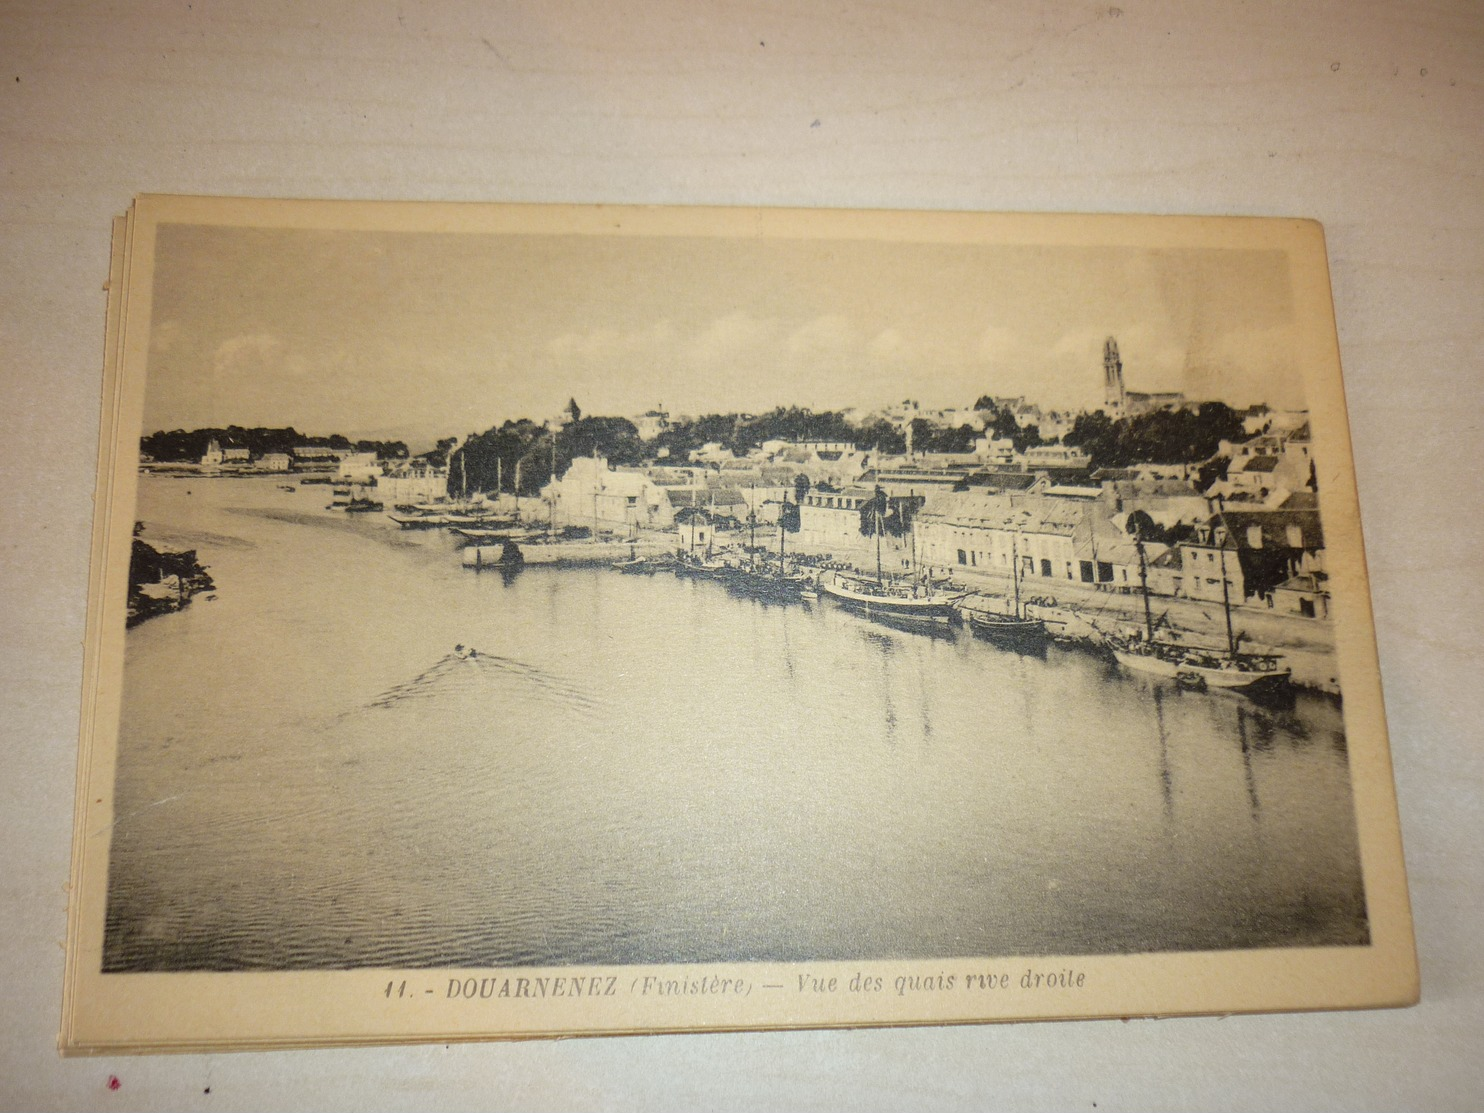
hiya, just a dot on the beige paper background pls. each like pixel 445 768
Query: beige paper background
pixel 1315 111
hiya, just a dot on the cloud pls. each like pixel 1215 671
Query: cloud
pixel 254 357
pixel 830 338
pixel 891 349
pixel 731 343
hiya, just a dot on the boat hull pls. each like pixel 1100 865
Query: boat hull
pixel 935 608
pixel 1007 628
pixel 1231 678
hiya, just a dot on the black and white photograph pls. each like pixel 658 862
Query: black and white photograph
pixel 832 601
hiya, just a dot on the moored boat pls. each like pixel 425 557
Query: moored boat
pixel 1017 626
pixel 1186 665
pixel 870 596
pixel 1193 667
pixel 1007 627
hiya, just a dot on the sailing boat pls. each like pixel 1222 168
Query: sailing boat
pixel 757 579
pixel 1191 666
pixel 1014 627
pixel 883 598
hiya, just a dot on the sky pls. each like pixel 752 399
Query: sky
pixel 419 335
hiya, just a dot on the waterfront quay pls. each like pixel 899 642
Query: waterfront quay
pixel 1073 612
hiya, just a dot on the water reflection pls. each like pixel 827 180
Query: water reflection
pixel 647 768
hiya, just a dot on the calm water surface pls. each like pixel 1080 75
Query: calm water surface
pixel 645 769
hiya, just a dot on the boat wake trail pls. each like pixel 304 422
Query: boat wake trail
pixel 476 674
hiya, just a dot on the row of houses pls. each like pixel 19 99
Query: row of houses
pixel 1259 555
pixel 299 458
pixel 1046 529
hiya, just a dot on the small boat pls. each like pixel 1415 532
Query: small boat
pixel 765 583
pixel 1015 627
pixel 1007 627
pixel 510 557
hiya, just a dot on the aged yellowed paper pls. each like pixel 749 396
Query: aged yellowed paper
pixel 519 621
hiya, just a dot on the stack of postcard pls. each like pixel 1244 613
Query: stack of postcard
pixel 515 621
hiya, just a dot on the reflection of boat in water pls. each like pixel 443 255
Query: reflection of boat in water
pixel 765 583
pixel 910 624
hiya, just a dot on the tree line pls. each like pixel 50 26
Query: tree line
pixel 1178 436
pixel 181 445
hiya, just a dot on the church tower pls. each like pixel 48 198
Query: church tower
pixel 1112 378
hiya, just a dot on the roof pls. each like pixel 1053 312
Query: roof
pixel 992 510
pixel 718 497
pixel 1301 500
pixel 1170 559
pixel 1069 491
pixel 1001 480
pixel 1274 526
pixel 1260 464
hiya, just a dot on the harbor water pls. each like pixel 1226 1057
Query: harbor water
pixel 636 769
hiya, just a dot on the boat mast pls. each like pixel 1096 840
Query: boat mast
pixel 782 530
pixel 880 525
pixel 1226 601
pixel 551 515
pixel 752 528
pixel 597 486
pixel 1144 587
pixel 517 487
pixel 1015 571
pixel 912 531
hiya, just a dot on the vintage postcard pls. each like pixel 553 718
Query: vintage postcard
pixel 518 621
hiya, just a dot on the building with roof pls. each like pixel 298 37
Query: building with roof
pixel 1055 456
pixel 606 500
pixel 1270 465
pixel 412 481
pixel 1253 552
pixel 651 424
pixel 991 531
pixel 830 522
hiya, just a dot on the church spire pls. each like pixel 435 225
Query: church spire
pixel 1112 378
